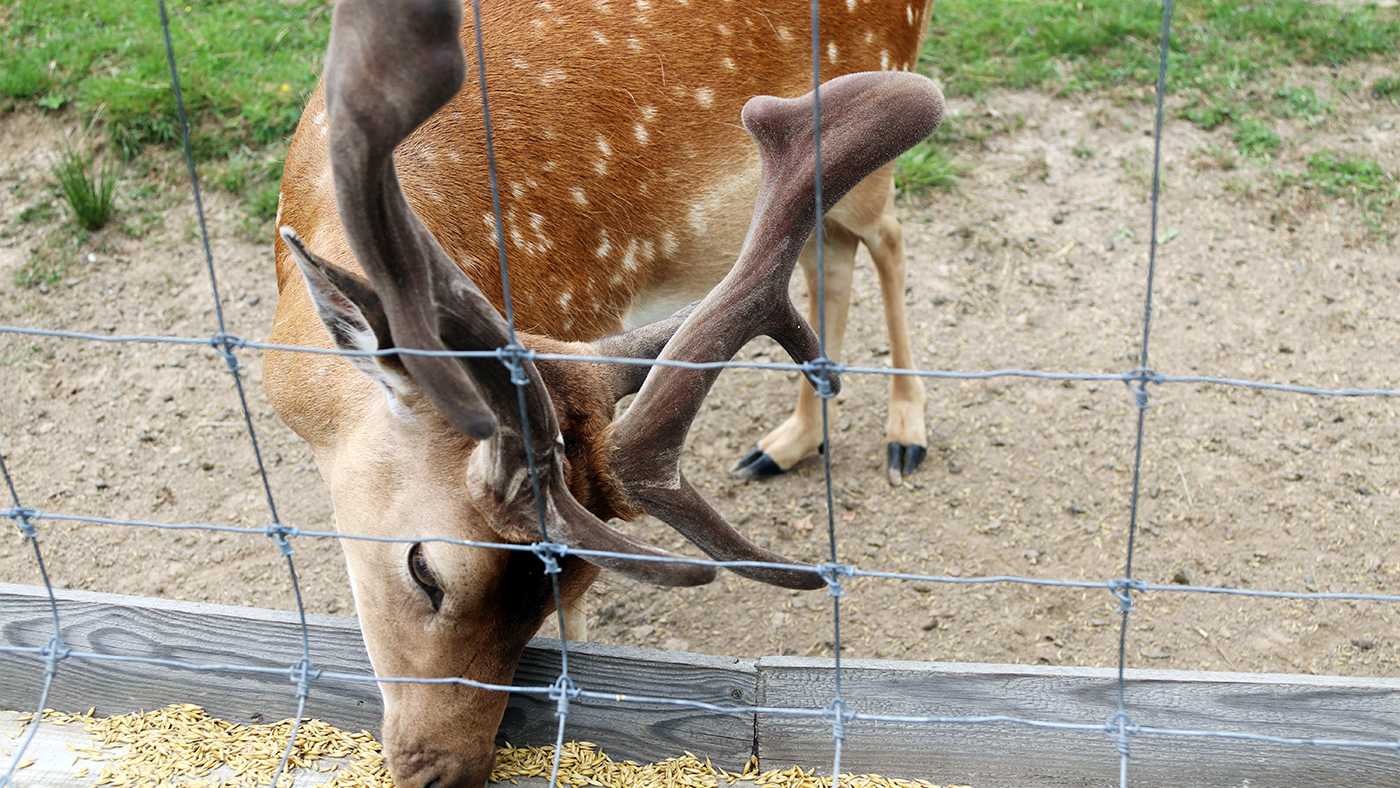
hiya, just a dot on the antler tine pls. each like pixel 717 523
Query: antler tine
pixel 389 67
pixel 867 120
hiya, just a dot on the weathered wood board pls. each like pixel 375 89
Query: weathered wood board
pixel 1010 754
pixel 632 731
pixel 985 755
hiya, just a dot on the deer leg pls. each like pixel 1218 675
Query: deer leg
pixel 801 435
pixel 906 433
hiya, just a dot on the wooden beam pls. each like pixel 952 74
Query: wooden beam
pixel 1009 754
pixel 203 634
pixel 985 755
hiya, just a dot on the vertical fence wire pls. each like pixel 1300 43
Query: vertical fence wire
pixel 225 345
pixel 1122 721
pixel 304 672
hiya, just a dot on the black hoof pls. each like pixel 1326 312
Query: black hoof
pixel 757 465
pixel 904 460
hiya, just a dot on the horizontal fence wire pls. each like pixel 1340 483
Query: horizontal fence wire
pixel 304 673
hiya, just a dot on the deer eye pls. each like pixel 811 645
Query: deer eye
pixel 423 575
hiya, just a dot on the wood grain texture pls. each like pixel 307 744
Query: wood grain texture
pixel 187 632
pixel 985 755
pixel 1009 754
pixel 640 732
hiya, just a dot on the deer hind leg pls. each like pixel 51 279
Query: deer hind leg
pixel 801 435
pixel 865 215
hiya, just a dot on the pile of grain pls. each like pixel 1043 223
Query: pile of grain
pixel 183 746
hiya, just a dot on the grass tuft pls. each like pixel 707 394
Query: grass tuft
pixel 1255 139
pixel 1363 183
pixel 88 188
pixel 923 168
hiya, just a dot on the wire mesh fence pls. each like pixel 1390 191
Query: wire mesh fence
pixel 1140 384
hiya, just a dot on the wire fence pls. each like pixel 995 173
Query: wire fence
pixel 304 673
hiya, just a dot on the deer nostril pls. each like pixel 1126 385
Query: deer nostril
pixel 436 782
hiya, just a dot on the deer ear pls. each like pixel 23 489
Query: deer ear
pixel 354 317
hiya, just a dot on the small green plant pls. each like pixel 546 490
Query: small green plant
pixel 1360 181
pixel 1207 116
pixel 49 262
pixel 1082 149
pixel 1387 87
pixel 41 211
pixel 1296 102
pixel 924 168
pixel 1255 139
pixel 88 187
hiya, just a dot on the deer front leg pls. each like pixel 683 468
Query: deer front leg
pixel 801 435
pixel 906 433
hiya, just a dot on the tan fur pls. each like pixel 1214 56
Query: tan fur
pixel 626 185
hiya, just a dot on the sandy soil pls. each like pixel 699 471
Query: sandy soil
pixel 1037 262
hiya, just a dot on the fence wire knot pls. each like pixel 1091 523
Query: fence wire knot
pixel 514 356
pixel 549 553
pixel 1137 381
pixel 561 692
pixel 224 345
pixel 24 517
pixel 838 715
pixel 832 574
pixel 302 674
pixel 820 372
pixel 1121 727
pixel 53 652
pixel 1123 588
pixel 280 534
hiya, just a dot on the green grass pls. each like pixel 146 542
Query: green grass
pixel 88 188
pixel 1256 139
pixel 1219 47
pixel 246 68
pixel 926 167
pixel 1359 181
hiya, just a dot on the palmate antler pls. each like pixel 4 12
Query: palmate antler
pixel 378 91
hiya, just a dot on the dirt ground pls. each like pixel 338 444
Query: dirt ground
pixel 1037 261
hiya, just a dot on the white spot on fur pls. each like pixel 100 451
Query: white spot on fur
pixel 831 52
pixel 850 6
pixel 705 96
pixel 603 145
pixel 785 35
pixel 648 113
pixel 648 251
pixel 696 220
pixel 520 64
pixel 729 63
pixel 724 29
pixel 642 134
pixel 549 166
pixel 870 36
pixel 579 197
pixel 634 44
pixel 600 166
pixel 564 299
pixel 884 60
pixel 604 244
pixel 552 76
pixel 600 38
pixel 669 245
pixel 517 190
pixel 629 257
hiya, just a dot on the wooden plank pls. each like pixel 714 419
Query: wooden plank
pixel 1006 754
pixel 188 632
pixel 202 634
pixel 639 732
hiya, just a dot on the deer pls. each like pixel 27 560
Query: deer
pixel 445 456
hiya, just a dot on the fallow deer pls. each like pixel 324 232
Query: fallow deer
pixel 378 250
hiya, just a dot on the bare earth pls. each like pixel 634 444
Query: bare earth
pixel 1038 261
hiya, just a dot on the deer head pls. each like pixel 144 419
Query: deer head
pixel 438 447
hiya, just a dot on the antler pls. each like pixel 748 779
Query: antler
pixel 867 120
pixel 389 67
